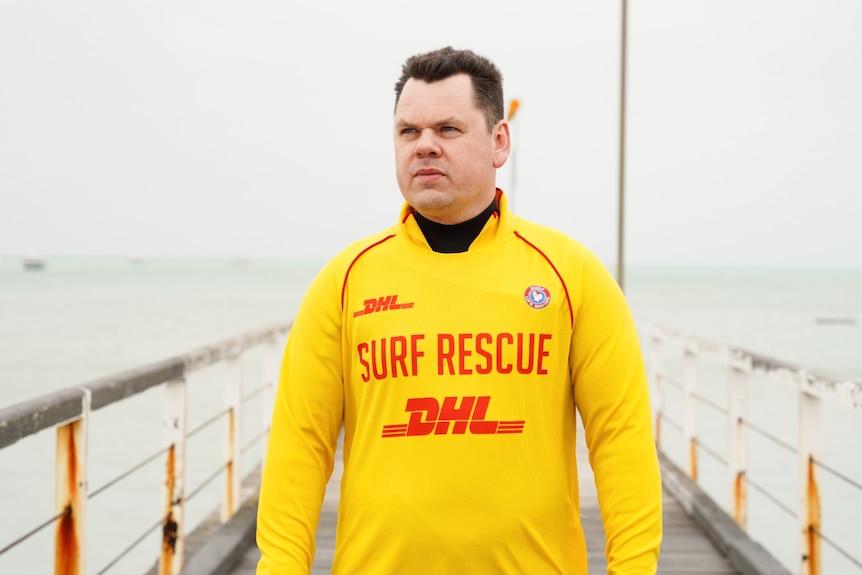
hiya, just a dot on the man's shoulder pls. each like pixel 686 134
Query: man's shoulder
pixel 333 273
pixel 566 253
pixel 343 259
pixel 546 237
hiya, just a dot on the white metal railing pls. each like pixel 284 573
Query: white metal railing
pixel 812 392
pixel 69 411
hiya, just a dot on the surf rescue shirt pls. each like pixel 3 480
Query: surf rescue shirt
pixel 456 378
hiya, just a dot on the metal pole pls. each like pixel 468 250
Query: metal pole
pixel 621 207
pixel 690 391
pixel 740 367
pixel 513 108
pixel 233 457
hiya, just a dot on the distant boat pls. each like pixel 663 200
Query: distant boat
pixel 836 320
pixel 33 262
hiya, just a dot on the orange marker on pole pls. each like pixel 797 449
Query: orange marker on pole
pixel 513 107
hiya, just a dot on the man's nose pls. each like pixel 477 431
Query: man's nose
pixel 427 144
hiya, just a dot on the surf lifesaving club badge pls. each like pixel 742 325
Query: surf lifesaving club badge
pixel 537 297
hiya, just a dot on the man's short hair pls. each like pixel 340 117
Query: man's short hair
pixel 447 62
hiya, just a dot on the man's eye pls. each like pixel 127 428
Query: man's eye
pixel 448 129
pixel 408 131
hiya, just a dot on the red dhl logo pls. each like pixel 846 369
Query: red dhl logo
pixel 382 303
pixel 428 417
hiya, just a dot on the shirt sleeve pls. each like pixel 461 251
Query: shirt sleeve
pixel 306 421
pixel 612 396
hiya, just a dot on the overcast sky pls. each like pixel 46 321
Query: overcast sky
pixel 263 129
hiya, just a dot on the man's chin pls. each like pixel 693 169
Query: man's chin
pixel 430 199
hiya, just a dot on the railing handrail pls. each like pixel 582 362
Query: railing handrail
pixel 68 413
pixel 31 416
pixel 845 392
pixel 812 391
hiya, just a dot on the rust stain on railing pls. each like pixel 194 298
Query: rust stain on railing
pixel 169 526
pixel 170 532
pixel 692 458
pixel 813 527
pixel 230 496
pixel 740 498
pixel 67 547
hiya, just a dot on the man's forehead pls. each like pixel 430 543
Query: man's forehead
pixel 453 93
pixel 462 80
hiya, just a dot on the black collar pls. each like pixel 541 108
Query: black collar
pixel 455 238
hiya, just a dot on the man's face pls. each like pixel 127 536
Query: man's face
pixel 445 159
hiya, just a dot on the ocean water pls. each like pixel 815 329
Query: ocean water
pixel 83 318
pixel 808 317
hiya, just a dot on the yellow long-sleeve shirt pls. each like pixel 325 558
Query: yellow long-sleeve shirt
pixel 456 378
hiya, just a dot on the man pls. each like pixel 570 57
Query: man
pixel 454 348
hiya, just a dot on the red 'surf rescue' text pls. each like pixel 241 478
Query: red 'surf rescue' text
pixel 454 354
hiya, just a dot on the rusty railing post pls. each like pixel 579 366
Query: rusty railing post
pixel 690 384
pixel 174 424
pixel 71 493
pixel 740 367
pixel 810 440
pixel 233 446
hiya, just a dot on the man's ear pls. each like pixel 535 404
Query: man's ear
pixel 502 143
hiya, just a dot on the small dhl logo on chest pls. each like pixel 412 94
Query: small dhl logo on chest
pixel 382 303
